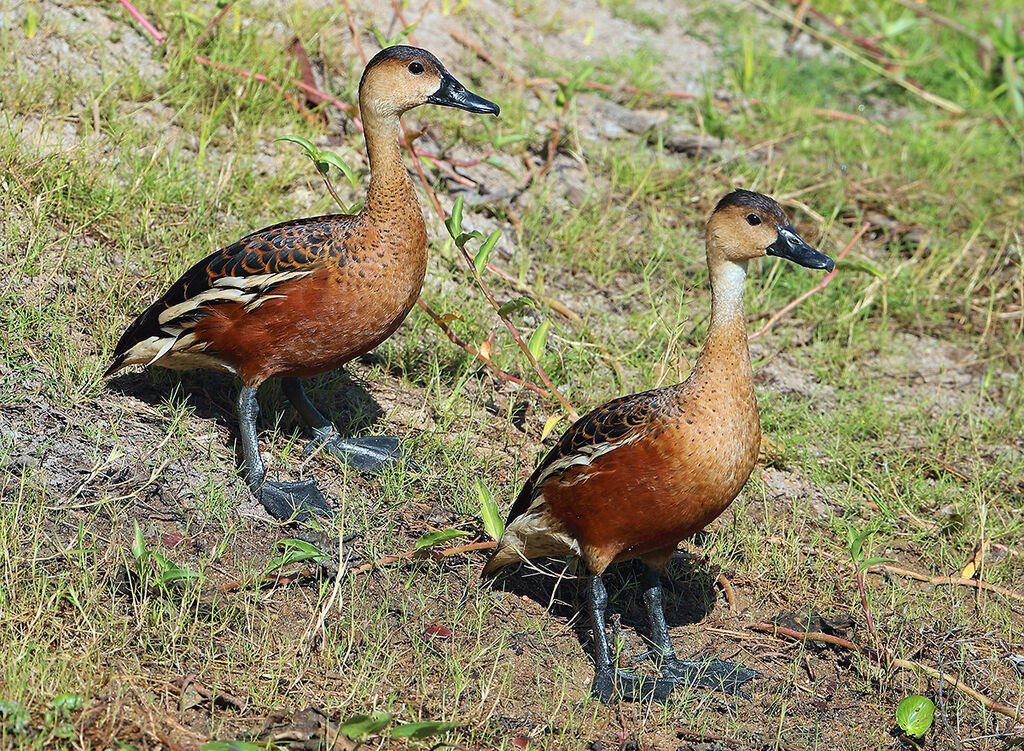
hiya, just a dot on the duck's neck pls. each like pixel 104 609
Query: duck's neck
pixel 725 352
pixel 390 190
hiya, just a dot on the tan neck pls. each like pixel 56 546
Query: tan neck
pixel 725 348
pixel 390 188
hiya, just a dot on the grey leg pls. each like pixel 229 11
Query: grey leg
pixel 717 674
pixel 369 454
pixel 285 500
pixel 610 683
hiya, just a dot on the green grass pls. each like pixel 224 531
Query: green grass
pixel 904 415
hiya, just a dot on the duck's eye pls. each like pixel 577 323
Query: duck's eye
pixel 753 220
pixel 416 68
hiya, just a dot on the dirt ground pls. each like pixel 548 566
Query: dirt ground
pixel 833 699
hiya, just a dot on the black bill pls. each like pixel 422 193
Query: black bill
pixel 454 94
pixel 791 246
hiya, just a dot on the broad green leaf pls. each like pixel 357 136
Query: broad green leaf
pixel 65 703
pixel 915 714
pixel 480 259
pixel 232 746
pixel 295 551
pixel 489 511
pixel 454 221
pixel 465 237
pixel 538 339
pixel 139 545
pixel 515 304
pixel 420 730
pixel 311 150
pixel 361 725
pixel 865 565
pixel 335 161
pixel 856 542
pixel 430 539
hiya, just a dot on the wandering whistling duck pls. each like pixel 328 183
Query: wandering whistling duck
pixel 306 296
pixel 637 475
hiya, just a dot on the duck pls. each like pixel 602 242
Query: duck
pixel 306 296
pixel 640 473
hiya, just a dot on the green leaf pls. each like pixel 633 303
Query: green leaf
pixel 856 542
pixel 329 157
pixel 865 565
pixel 860 265
pixel 382 41
pixel 515 304
pixel 500 142
pixel 454 222
pixel 465 237
pixel 31 20
pixel 295 551
pixel 231 746
pixel 480 259
pixel 65 703
pixel 430 539
pixel 13 716
pixel 420 730
pixel 537 340
pixel 139 545
pixel 402 34
pixel 311 151
pixel 489 511
pixel 915 714
pixel 361 725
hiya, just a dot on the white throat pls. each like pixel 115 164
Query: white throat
pixel 727 291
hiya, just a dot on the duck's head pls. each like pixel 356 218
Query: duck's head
pixel 399 78
pixel 747 225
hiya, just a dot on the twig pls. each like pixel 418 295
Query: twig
pixel 355 32
pixel 730 596
pixel 160 38
pixel 213 23
pixel 485 360
pixel 410 554
pixel 838 641
pixel 825 281
pixel 941 580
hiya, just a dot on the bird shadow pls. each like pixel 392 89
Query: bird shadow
pixel 210 395
pixel 688 592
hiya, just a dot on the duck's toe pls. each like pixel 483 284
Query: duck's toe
pixel 370 454
pixel 617 685
pixel 714 674
pixel 294 501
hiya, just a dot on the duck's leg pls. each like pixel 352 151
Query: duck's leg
pixel 368 454
pixel 609 682
pixel 716 674
pixel 285 500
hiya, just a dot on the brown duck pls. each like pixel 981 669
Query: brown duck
pixel 306 296
pixel 637 475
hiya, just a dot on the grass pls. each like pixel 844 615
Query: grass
pixel 895 390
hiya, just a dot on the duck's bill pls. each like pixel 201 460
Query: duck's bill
pixel 454 94
pixel 791 246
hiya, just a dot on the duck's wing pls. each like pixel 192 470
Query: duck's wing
pixel 611 426
pixel 245 272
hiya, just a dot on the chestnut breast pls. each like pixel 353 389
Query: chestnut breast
pixel 666 485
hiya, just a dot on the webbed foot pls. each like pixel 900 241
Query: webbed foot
pixel 714 674
pixel 294 501
pixel 611 685
pixel 369 454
